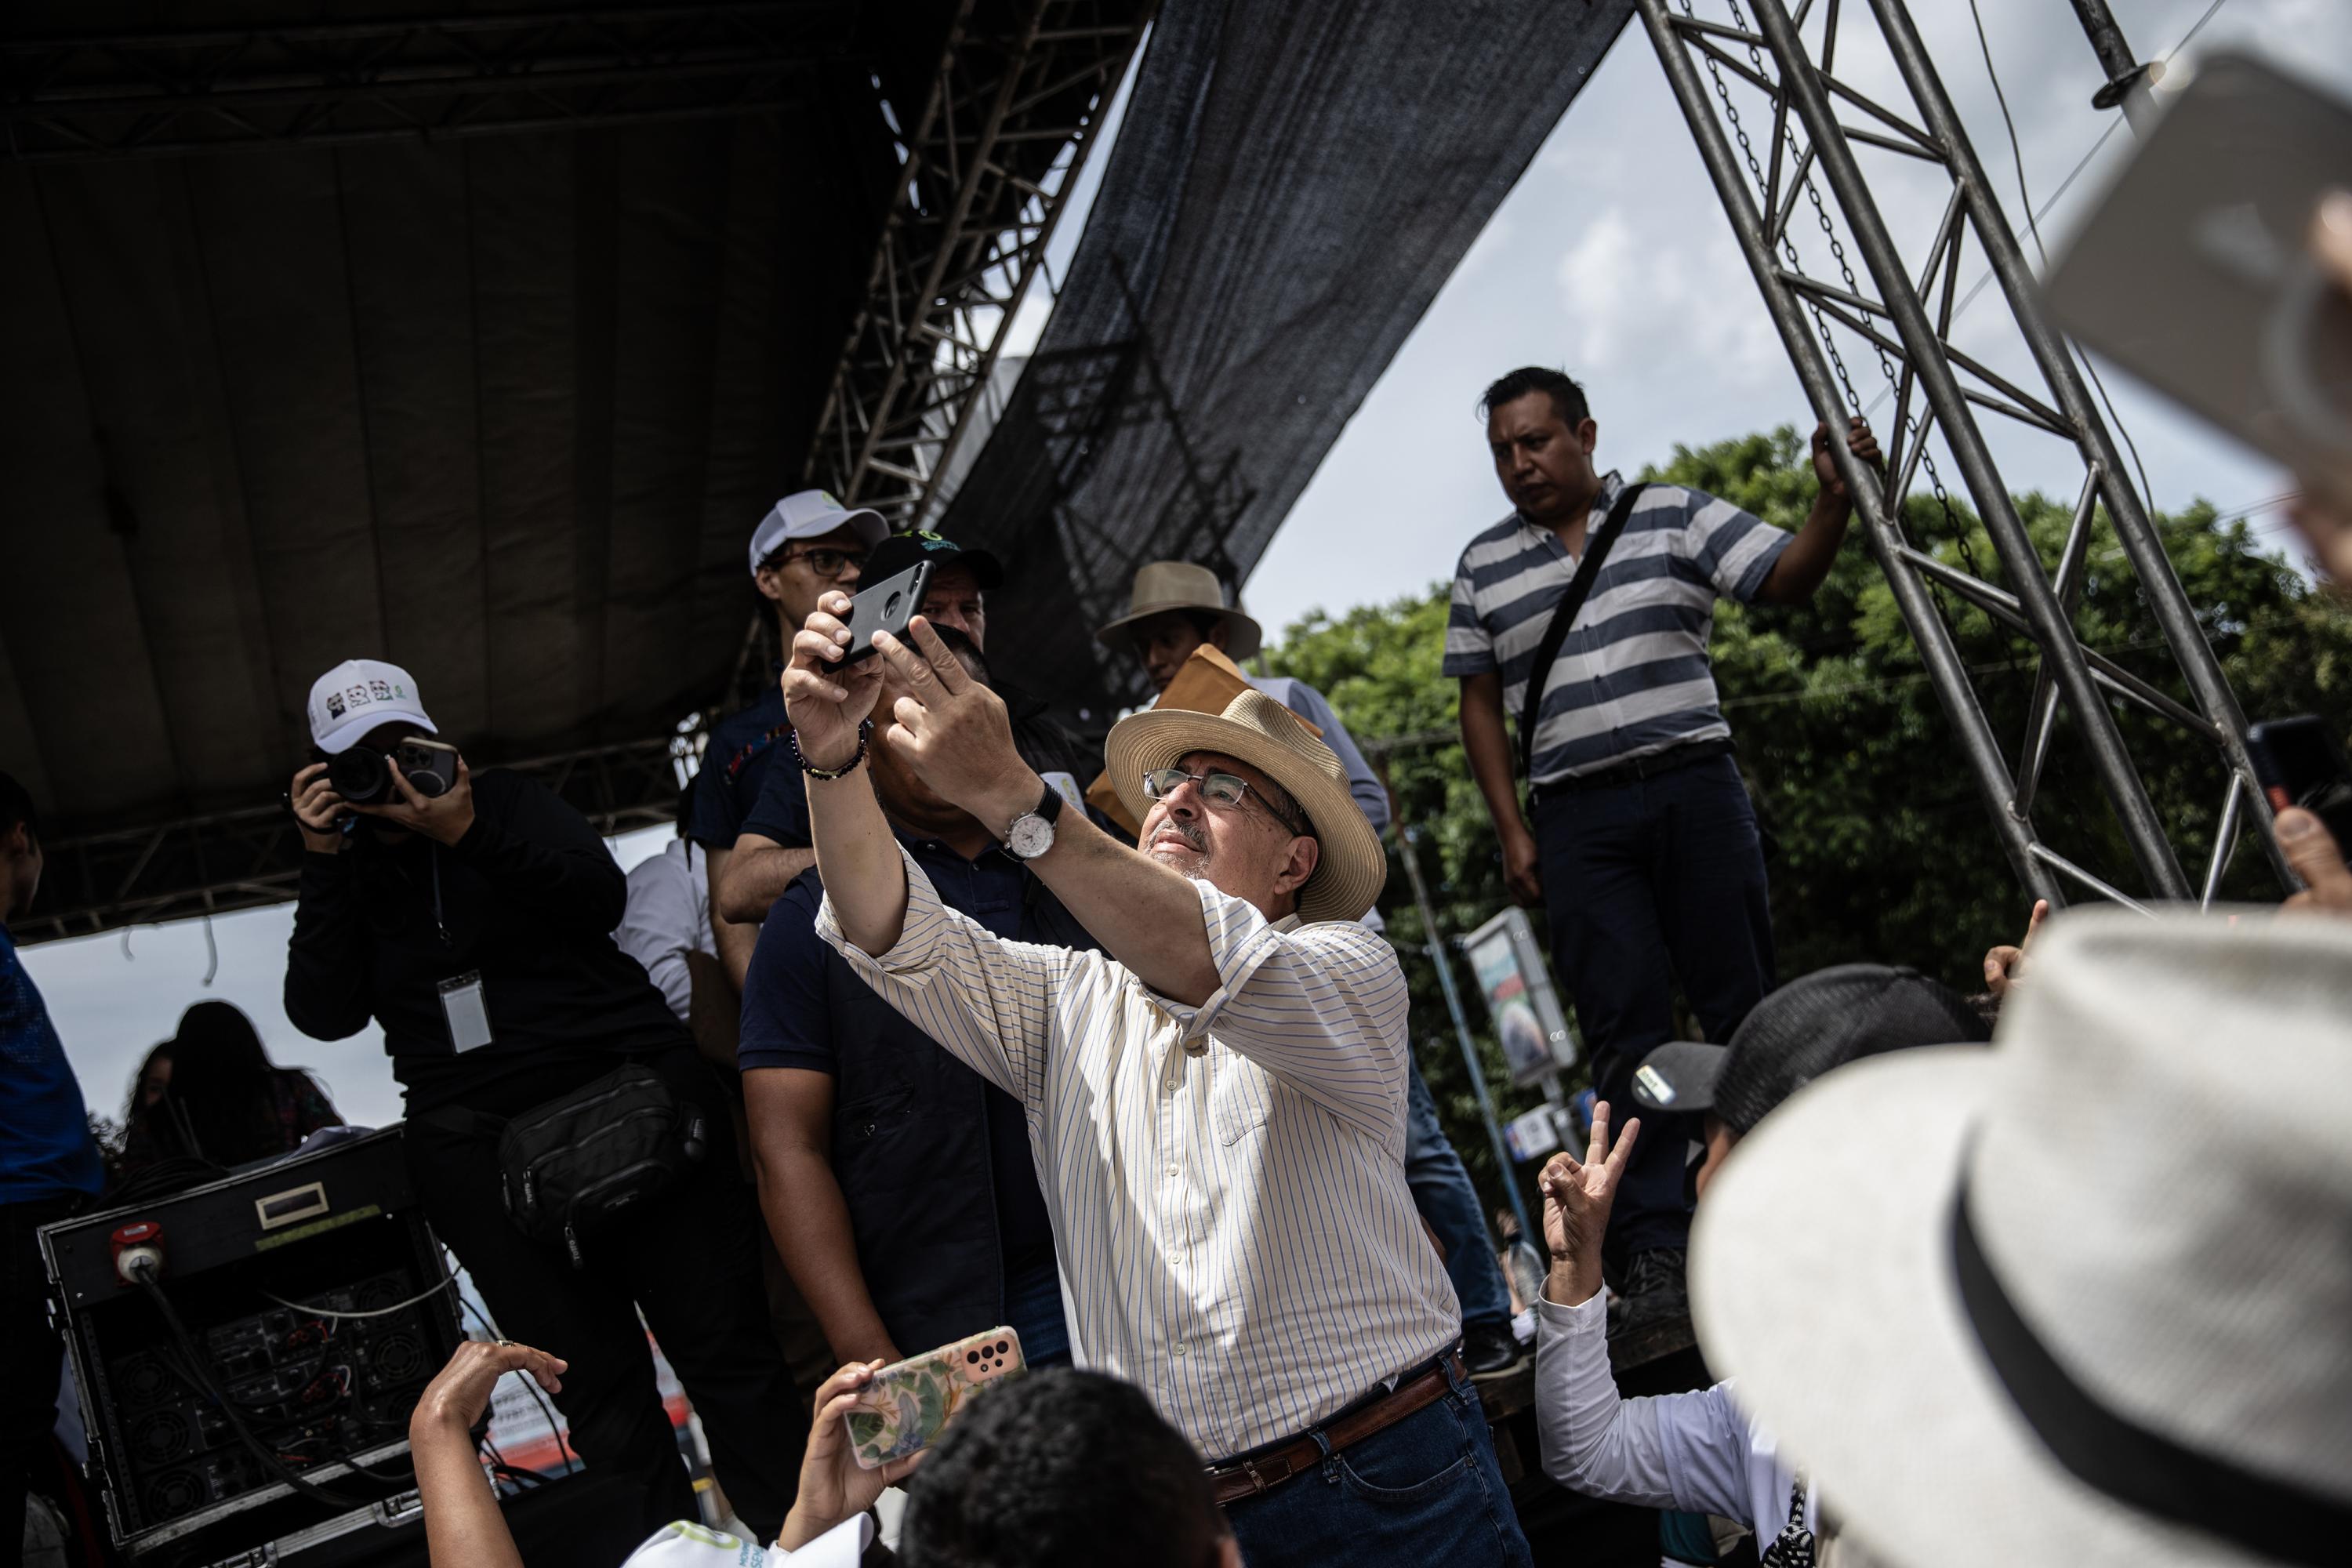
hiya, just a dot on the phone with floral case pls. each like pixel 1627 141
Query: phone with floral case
pixel 904 1408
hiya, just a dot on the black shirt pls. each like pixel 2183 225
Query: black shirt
pixel 788 1018
pixel 528 899
pixel 734 765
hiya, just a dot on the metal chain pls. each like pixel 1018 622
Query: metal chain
pixel 1912 431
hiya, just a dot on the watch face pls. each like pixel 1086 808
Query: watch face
pixel 1030 835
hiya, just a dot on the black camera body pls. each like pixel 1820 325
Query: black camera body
pixel 363 775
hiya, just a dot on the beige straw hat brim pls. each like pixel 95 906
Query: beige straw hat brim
pixel 1259 730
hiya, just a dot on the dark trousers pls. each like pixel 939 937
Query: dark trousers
pixel 30 1353
pixel 1425 1491
pixel 1443 1193
pixel 690 1263
pixel 1645 884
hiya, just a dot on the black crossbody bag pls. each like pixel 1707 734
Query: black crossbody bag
pixel 1563 619
pixel 572 1167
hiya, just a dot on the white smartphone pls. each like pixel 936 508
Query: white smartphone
pixel 2193 272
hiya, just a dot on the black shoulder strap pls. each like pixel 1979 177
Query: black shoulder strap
pixel 1563 617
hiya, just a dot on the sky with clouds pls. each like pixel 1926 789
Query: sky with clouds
pixel 1612 258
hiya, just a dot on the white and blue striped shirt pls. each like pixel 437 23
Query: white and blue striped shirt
pixel 1634 678
pixel 1226 1182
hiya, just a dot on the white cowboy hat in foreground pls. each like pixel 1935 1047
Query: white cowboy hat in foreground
pixel 2085 1298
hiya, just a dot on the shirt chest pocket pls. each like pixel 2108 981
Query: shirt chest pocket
pixel 1239 1106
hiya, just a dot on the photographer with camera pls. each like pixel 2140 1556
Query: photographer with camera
pixel 563 1136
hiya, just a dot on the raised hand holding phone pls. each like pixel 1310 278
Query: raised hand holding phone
pixel 826 695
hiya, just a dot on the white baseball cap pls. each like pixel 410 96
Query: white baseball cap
pixel 813 514
pixel 356 696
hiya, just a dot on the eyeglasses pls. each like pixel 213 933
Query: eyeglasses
pixel 1218 790
pixel 827 564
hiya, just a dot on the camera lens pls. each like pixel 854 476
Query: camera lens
pixel 360 776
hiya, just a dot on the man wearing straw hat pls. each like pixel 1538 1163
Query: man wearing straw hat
pixel 1175 608
pixel 1215 1103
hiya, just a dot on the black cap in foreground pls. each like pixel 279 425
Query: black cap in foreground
pixel 900 550
pixel 1823 1020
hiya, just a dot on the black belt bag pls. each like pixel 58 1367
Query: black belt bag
pixel 580 1163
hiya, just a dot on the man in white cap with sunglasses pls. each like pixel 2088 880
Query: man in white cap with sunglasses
pixel 1216 1104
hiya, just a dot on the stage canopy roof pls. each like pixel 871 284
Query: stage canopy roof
pixel 478 339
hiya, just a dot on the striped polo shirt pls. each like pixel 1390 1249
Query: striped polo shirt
pixel 1634 678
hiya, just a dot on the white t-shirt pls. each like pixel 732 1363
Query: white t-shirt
pixel 681 1544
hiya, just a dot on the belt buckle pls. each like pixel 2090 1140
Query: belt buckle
pixel 1260 1484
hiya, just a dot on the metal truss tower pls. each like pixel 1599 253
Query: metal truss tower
pixel 1785 68
pixel 989 164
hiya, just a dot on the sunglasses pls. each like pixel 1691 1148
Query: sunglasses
pixel 825 563
pixel 1220 790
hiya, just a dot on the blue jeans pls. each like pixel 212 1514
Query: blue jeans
pixel 1033 1309
pixel 1443 1193
pixel 1648 883
pixel 1421 1493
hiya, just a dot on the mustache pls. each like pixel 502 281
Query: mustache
pixel 1192 835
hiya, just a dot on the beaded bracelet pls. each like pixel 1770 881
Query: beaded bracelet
pixel 865 728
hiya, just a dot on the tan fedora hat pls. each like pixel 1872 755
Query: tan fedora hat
pixel 1164 585
pixel 1256 729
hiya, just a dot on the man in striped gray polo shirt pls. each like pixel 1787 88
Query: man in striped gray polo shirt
pixel 1643 850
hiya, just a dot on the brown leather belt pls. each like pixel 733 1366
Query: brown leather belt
pixel 1249 1477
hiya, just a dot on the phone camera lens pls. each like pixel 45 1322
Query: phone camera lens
pixel 1002 1347
pixel 972 1356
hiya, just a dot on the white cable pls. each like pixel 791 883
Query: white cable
pixel 378 1312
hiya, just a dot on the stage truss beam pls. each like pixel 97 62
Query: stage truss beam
pixel 242 859
pixel 1907 321
pixel 972 210
pixel 411 79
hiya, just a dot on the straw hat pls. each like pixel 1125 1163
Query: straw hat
pixel 2085 1298
pixel 1164 585
pixel 1256 729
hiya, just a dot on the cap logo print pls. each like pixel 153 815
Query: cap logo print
pixel 1655 1084
pixel 334 704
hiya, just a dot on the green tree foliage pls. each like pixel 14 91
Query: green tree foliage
pixel 1876 839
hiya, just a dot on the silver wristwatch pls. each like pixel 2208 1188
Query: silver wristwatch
pixel 1031 832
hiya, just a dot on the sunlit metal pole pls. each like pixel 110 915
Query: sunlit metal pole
pixel 1433 943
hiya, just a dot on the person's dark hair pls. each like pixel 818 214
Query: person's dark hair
pixel 222 1104
pixel 1566 397
pixel 160 1049
pixel 16 807
pixel 1206 623
pixel 1060 1468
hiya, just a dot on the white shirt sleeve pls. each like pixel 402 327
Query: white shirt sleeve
pixel 1686 1451
pixel 682 1544
pixel 659 926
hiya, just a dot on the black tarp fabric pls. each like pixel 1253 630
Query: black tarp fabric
pixel 1289 189
pixel 503 410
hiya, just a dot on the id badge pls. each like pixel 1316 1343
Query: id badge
pixel 469 1016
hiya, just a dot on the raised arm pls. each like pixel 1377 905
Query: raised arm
pixel 1805 564
pixel 956 734
pixel 1676 1450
